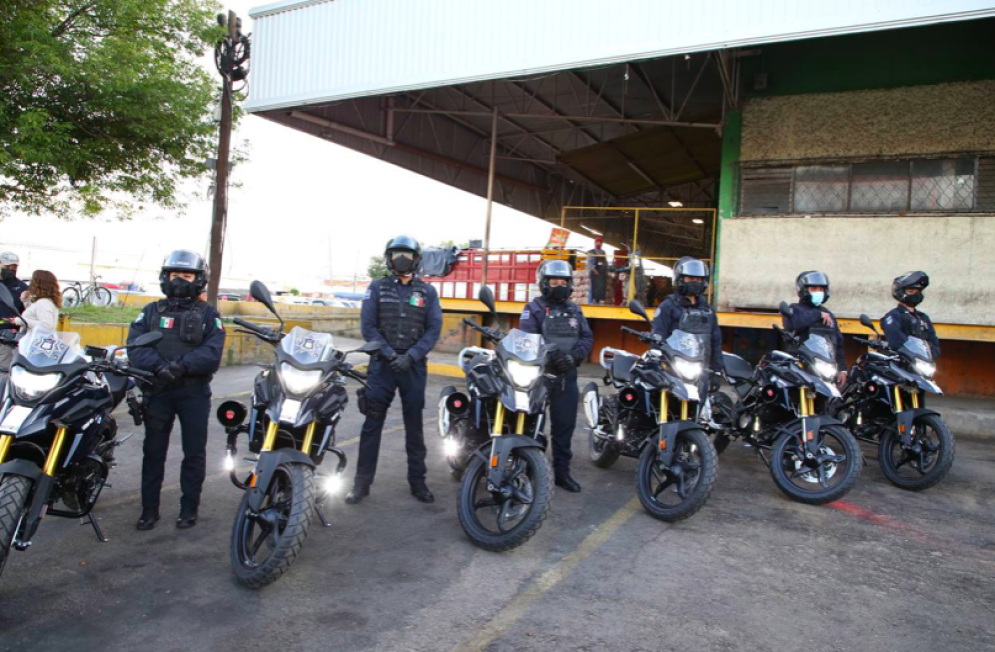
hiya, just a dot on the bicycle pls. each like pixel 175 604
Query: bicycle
pixel 76 294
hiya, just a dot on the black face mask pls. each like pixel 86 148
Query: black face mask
pixel 7 275
pixel 914 299
pixel 691 289
pixel 402 264
pixel 559 294
pixel 180 288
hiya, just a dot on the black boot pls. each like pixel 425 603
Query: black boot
pixel 187 519
pixel 148 519
pixel 564 481
pixel 420 491
pixel 358 493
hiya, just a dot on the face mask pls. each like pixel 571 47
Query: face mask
pixel 559 294
pixel 914 299
pixel 180 288
pixel 7 275
pixel 403 265
pixel 817 298
pixel 691 289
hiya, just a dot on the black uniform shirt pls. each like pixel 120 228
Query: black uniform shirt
pixel 369 317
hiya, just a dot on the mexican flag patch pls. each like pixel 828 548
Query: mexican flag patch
pixel 217 322
pixel 166 322
pixel 418 300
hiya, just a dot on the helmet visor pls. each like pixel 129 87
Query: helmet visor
pixel 402 255
pixel 814 278
pixel 557 269
pixel 692 268
pixel 183 261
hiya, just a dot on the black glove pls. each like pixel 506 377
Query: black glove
pixel 713 384
pixel 401 363
pixel 561 362
pixel 177 370
pixel 165 375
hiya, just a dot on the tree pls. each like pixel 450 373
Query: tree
pixel 102 102
pixel 377 268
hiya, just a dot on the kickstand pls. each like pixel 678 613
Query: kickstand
pixel 96 527
pixel 321 516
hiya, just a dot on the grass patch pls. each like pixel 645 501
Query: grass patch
pixel 101 315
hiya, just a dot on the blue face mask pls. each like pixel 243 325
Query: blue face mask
pixel 817 298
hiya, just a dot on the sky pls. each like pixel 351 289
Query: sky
pixel 305 206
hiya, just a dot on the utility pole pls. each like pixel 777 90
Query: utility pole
pixel 490 195
pixel 93 261
pixel 231 55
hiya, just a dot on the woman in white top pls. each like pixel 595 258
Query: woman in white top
pixel 42 302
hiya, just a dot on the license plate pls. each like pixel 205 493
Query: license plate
pixel 289 411
pixel 14 419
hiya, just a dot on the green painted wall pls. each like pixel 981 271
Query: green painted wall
pixel 728 185
pixel 949 52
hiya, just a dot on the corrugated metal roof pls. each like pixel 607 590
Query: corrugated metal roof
pixel 316 51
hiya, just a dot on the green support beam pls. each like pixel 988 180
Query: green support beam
pixel 728 186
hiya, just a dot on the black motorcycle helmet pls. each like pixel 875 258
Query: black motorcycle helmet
pixel 901 285
pixel 551 269
pixel 806 280
pixel 689 266
pixel 188 262
pixel 402 255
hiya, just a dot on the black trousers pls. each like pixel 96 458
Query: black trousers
pixel 564 397
pixel 382 384
pixel 192 404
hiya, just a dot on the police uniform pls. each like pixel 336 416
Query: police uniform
pixel 564 325
pixel 193 338
pixel 678 313
pixel 901 323
pixel 806 319
pixel 404 319
pixel 16 287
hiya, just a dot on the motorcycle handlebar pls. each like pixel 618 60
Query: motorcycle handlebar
pixel 261 331
pixel 644 336
pixel 486 332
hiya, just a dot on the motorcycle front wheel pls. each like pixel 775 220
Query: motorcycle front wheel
pixel 14 492
pixel 926 462
pixel 827 477
pixel 497 522
pixel 264 545
pixel 675 492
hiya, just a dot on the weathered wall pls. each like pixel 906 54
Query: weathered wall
pixel 760 258
pixel 915 120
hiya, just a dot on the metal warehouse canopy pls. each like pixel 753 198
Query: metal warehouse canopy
pixel 591 103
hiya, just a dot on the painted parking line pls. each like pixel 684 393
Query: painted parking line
pixel 522 602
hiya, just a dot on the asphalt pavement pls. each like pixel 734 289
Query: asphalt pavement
pixel 881 570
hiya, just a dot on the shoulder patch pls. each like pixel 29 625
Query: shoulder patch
pixel 526 314
pixel 367 295
pixel 139 319
pixel 217 322
pixel 889 319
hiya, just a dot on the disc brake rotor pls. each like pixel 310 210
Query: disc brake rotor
pixel 812 476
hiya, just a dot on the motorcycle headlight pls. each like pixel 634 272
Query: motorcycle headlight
pixel 926 368
pixel 827 370
pixel 523 375
pixel 686 369
pixel 298 381
pixel 30 386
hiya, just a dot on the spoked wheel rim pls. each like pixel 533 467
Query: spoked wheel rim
pixel 259 534
pixel 825 471
pixel 919 459
pixel 500 512
pixel 672 485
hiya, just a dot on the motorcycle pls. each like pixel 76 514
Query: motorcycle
pixel 492 436
pixel 57 435
pixel 884 403
pixel 652 417
pixel 296 404
pixel 782 409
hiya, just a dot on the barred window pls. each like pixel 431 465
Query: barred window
pixel 962 184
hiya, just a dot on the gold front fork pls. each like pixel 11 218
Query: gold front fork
pixel 53 454
pixel 498 420
pixel 915 400
pixel 269 441
pixel 664 406
pixel 308 438
pixel 520 425
pixel 898 399
pixel 684 410
pixel 5 441
pixel 804 403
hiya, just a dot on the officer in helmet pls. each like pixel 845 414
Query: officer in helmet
pixel 810 315
pixel 906 320
pixel 184 361
pixel 561 323
pixel 403 314
pixel 8 276
pixel 688 310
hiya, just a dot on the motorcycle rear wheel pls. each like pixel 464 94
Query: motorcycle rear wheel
pixel 14 490
pixel 289 505
pixel 930 466
pixel 604 452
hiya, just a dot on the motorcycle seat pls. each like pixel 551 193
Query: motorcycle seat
pixel 736 367
pixel 622 367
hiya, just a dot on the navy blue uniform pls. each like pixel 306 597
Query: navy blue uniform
pixel 901 323
pixel 197 351
pixel 405 319
pixel 16 287
pixel 564 394
pixel 804 317
pixel 678 313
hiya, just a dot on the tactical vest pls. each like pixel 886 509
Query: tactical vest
pixel 914 325
pixel 698 321
pixel 402 323
pixel 182 327
pixel 561 325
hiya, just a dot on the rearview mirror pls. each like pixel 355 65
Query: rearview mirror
pixel 868 323
pixel 636 308
pixel 147 339
pixel 260 293
pixel 785 309
pixel 6 299
pixel 486 297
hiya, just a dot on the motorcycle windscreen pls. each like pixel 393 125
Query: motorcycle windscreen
pixel 527 347
pixel 308 347
pixel 687 345
pixel 917 348
pixel 821 347
pixel 45 348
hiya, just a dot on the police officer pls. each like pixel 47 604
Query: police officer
pixel 905 321
pixel 561 323
pixel 8 276
pixel 184 361
pixel 688 310
pixel 810 315
pixel 403 314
